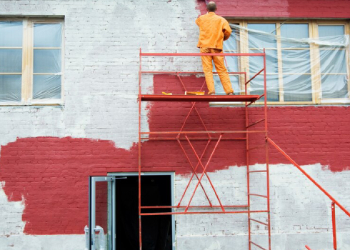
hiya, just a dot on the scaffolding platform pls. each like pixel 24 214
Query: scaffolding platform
pixel 201 98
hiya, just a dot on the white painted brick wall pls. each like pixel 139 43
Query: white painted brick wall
pixel 300 212
pixel 102 41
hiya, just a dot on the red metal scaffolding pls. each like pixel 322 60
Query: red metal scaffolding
pixel 200 170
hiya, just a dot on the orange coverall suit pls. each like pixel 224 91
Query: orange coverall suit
pixel 213 30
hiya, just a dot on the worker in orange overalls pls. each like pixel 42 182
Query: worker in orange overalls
pixel 213 30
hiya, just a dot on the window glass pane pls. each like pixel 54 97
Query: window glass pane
pixel 292 35
pixel 333 61
pixel 297 88
pixel 257 87
pixel 11 34
pixel 231 44
pixel 47 61
pixel 10 60
pixel 10 88
pixel 219 90
pixel 256 63
pixel 262 40
pixel 46 86
pixel 330 30
pixel 296 61
pixel 232 63
pixel 334 86
pixel 264 27
pixel 47 35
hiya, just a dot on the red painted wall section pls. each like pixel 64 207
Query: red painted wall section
pixel 319 8
pixel 309 134
pixel 281 8
pixel 51 174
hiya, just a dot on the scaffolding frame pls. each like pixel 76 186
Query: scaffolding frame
pixel 211 136
pixel 248 100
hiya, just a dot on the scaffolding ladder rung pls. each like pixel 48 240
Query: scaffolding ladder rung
pixel 247 105
pixel 264 196
pixel 258 171
pixel 251 79
pixel 182 207
pixel 257 245
pixel 206 212
pixel 266 224
pixel 257 122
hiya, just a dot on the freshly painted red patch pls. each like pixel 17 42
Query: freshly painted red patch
pixel 335 9
pixel 243 8
pixel 51 174
pixel 282 8
pixel 308 134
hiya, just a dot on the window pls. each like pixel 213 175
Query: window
pixel 307 62
pixel 31 61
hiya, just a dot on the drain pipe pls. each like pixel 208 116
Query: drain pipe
pixel 101 237
pixel 86 229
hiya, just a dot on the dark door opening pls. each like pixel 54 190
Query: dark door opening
pixel 156 230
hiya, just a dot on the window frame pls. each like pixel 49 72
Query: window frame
pixel 243 62
pixel 28 62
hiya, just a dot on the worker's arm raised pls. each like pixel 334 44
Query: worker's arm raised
pixel 227 30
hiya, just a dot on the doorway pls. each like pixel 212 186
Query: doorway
pixel 157 231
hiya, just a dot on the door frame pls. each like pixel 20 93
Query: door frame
pixel 112 194
pixel 110 180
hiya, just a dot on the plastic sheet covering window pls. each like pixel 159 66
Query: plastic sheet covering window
pixel 232 64
pixel 300 68
pixel 10 61
pixel 47 80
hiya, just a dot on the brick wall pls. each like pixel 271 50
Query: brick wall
pixel 48 152
pixel 281 8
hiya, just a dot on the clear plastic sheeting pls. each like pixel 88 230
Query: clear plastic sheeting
pixel 47 35
pixel 11 34
pixel 232 65
pixel 302 65
pixel 10 88
pixel 10 61
pixel 47 61
pixel 47 86
pixel 46 80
